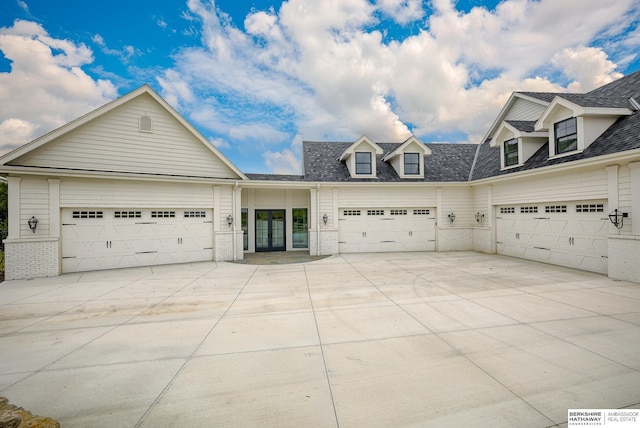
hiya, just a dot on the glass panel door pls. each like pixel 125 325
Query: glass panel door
pixel 270 230
pixel 262 230
pixel 277 231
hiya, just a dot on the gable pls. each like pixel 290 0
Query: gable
pixel 523 109
pixel 117 141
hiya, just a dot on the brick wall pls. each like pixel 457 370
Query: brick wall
pixel 31 258
pixel 624 254
pixel 454 239
pixel 482 239
pixel 223 250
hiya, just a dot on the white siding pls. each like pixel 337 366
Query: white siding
pixel 524 110
pixel 34 201
pixel 558 187
pixel 113 142
pixel 458 200
pixel 377 196
pixel 624 197
pixel 134 194
pixel 270 198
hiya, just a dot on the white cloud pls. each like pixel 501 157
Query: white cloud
pixel 125 54
pixel 47 79
pixel 219 143
pixel 402 11
pixel 589 67
pixel 323 70
pixel 284 162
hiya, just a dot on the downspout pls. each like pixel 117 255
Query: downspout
pixel 318 219
pixel 233 210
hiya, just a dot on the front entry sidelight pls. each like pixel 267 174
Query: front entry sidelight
pixel 270 227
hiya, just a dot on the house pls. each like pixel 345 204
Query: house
pixel 133 183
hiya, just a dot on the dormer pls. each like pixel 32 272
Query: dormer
pixel 408 159
pixel 573 121
pixel 518 141
pixel 360 158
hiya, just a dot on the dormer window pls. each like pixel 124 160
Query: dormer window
pixel 511 152
pixel 363 163
pixel 412 163
pixel 566 136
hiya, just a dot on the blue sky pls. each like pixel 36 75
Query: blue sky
pixel 258 77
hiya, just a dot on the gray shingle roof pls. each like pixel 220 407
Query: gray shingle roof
pixel 447 162
pixel 523 125
pixel 621 136
pixel 275 177
pixel 454 162
pixel 586 100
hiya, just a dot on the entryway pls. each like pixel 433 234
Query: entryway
pixel 270 230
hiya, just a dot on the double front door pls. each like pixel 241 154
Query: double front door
pixel 270 227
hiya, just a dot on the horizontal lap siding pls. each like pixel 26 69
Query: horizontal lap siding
pixel 457 200
pixel 112 142
pixel 34 201
pixel 363 197
pixel 524 110
pixel 134 194
pixel 624 195
pixel 577 186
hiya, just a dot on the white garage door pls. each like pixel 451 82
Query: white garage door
pixel 572 234
pixel 386 229
pixel 94 239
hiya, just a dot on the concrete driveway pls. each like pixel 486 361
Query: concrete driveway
pixel 403 339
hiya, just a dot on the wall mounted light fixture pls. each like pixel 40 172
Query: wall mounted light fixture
pixel 452 217
pixel 230 220
pixel 325 218
pixel 617 218
pixel 479 217
pixel 33 223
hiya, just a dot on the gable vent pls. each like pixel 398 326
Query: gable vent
pixel 145 124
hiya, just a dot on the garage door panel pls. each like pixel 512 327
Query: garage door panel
pixel 572 234
pixel 111 239
pixel 386 230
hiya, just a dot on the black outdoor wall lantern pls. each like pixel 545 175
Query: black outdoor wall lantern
pixel 617 218
pixel 325 218
pixel 33 223
pixel 479 217
pixel 452 217
pixel 230 220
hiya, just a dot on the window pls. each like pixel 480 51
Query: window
pixel 590 208
pixel 507 210
pixel 195 214
pixel 127 214
pixel 375 212
pixel 566 134
pixel 163 214
pixel 363 163
pixel 511 152
pixel 351 212
pixel 244 222
pixel 555 209
pixel 398 212
pixel 87 214
pixel 528 210
pixel 412 163
pixel 420 212
pixel 300 228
